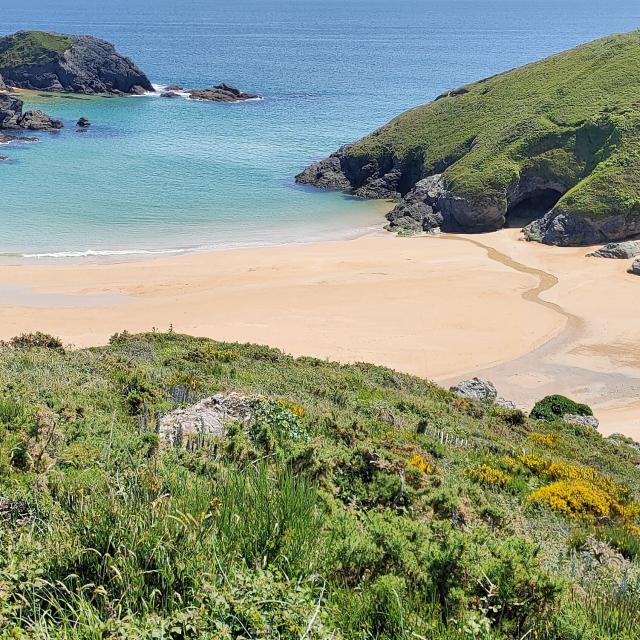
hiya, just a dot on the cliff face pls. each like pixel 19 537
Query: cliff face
pixel 80 64
pixel 555 143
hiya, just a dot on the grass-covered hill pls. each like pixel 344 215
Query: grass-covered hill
pixel 563 129
pixel 32 47
pixel 356 503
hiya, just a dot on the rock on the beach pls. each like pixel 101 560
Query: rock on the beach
pixel 583 421
pixel 208 417
pixel 618 250
pixel 12 117
pixel 221 93
pixel 475 389
pixel 635 268
pixel 57 62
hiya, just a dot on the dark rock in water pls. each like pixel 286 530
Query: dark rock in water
pixel 635 268
pixel 83 122
pixel 169 94
pixel 618 250
pixel 4 158
pixel 172 88
pixel 12 117
pixel 221 93
pixel 78 64
pixel 39 121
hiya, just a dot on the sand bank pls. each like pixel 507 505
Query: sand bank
pixel 533 319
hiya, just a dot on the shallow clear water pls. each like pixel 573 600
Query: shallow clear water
pixel 156 174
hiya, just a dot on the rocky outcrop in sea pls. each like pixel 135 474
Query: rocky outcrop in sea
pixel 80 64
pixel 12 116
pixel 221 93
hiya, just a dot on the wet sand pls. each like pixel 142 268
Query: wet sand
pixel 533 319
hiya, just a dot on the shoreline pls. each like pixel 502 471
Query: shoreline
pixel 444 308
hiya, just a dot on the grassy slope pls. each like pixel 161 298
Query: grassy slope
pixel 341 510
pixel 32 47
pixel 574 116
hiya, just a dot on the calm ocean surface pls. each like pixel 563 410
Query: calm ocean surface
pixel 154 174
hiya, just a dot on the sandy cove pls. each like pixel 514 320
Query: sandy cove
pixel 534 319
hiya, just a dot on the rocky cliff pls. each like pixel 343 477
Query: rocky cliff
pixel 80 64
pixel 554 145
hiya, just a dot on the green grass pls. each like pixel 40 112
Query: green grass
pixel 573 118
pixel 340 511
pixel 32 47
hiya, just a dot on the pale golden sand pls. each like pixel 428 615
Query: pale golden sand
pixel 533 319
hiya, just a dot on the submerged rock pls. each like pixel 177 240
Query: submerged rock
pixel 221 93
pixel 618 250
pixel 207 417
pixel 56 62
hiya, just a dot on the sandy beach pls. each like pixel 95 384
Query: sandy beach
pixel 531 318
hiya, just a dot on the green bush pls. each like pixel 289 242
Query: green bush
pixel 554 407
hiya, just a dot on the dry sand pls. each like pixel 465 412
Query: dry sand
pixel 533 319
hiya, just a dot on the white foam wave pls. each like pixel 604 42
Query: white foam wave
pixel 93 253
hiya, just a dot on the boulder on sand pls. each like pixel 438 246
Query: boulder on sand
pixel 618 250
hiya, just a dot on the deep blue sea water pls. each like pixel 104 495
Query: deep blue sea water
pixel 157 174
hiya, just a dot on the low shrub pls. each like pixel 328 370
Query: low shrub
pixel 554 407
pixel 37 340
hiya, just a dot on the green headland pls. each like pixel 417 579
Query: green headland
pixel 559 137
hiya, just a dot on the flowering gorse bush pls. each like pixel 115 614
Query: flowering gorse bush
pixel 485 474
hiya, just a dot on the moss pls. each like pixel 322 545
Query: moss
pixel 32 47
pixel 572 117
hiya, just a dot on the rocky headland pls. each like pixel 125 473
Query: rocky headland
pixel 45 61
pixel 551 146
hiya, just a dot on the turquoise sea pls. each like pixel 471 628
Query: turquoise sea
pixel 170 175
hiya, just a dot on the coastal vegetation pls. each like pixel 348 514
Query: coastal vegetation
pixel 557 140
pixel 355 502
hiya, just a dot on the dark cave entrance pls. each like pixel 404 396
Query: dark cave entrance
pixel 532 207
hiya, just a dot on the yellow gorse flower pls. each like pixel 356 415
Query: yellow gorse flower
pixel 486 474
pixel 418 462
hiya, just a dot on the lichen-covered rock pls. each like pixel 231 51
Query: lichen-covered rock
pixel 80 64
pixel 583 421
pixel 618 250
pixel 207 417
pixel 476 389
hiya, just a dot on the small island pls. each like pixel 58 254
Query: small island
pixel 554 143
pixel 45 61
